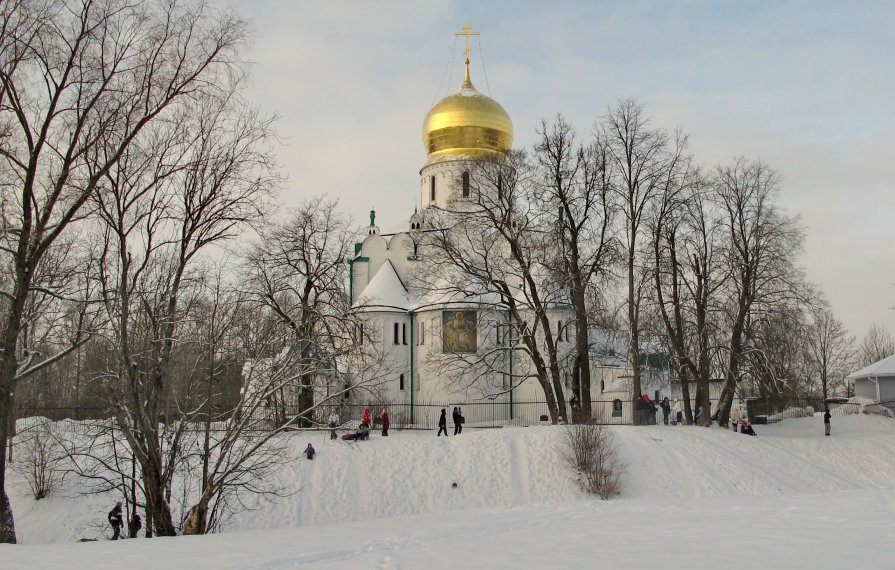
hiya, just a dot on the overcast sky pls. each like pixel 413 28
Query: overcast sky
pixel 808 87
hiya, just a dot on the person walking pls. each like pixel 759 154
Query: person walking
pixel 385 422
pixel 115 520
pixel 827 421
pixel 310 452
pixel 442 423
pixel 666 409
pixel 455 416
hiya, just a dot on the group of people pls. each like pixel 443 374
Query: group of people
pixel 456 416
pixel 116 519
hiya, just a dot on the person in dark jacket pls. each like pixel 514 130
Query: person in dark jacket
pixel 442 423
pixel 310 451
pixel 115 519
pixel 135 525
pixel 456 417
pixel 666 409
pixel 827 421
pixel 746 428
pixel 385 423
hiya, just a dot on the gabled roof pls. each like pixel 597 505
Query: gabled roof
pixel 385 290
pixel 885 367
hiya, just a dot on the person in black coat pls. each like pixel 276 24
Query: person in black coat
pixel 115 519
pixel 135 525
pixel 666 409
pixel 827 421
pixel 456 417
pixel 442 423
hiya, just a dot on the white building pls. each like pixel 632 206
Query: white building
pixel 417 329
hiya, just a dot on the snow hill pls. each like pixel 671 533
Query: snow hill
pixel 787 498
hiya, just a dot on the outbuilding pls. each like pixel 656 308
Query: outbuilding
pixel 876 382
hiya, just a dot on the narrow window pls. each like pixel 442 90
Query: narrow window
pixel 656 399
pixel 401 382
pixel 466 184
pixel 403 333
pixel 500 186
pixel 422 332
pixel 602 386
pixel 431 188
pixel 617 406
pixel 396 333
pixel 559 331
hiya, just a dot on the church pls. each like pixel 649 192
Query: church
pixel 433 343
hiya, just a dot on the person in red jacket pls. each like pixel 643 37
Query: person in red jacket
pixel 365 417
pixel 385 423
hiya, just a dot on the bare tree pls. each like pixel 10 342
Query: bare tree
pixel 876 345
pixel 492 248
pixel 688 275
pixel 79 80
pixel 298 275
pixel 761 246
pixel 576 191
pixel 830 350
pixel 191 183
pixel 640 158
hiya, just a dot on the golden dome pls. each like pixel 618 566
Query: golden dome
pixel 467 124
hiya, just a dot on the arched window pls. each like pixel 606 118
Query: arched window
pixel 396 333
pixel 401 382
pixel 403 333
pixel 500 186
pixel 616 406
pixel 432 188
pixel 466 184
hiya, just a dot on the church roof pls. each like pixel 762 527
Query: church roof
pixel 385 290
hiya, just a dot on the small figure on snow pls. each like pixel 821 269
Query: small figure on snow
pixel 747 428
pixel 363 432
pixel 735 417
pixel 309 451
pixel 666 409
pixel 678 412
pixel 698 415
pixel 115 519
pixel 365 417
pixel 135 525
pixel 827 421
pixel 442 423
pixel 334 421
pixel 385 422
pixel 560 421
pixel 458 427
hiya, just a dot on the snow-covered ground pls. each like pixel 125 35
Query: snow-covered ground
pixel 691 497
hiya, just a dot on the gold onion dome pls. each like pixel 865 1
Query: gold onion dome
pixel 467 124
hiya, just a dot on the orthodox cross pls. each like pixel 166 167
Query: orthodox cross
pixel 467 31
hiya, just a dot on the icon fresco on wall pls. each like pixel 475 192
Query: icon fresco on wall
pixel 459 331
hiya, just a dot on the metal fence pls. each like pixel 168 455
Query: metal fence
pixel 476 414
pixel 766 410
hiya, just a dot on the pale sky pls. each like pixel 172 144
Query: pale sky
pixel 808 87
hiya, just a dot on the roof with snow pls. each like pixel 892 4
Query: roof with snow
pixel 885 367
pixel 385 290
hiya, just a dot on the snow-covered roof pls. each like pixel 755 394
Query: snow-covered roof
pixel 885 367
pixel 385 290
